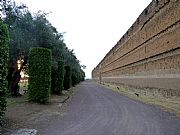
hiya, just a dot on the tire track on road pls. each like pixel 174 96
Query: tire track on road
pixel 95 110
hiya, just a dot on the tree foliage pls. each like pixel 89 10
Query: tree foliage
pixel 39 74
pixel 26 31
pixel 57 78
pixel 67 78
pixel 54 80
pixel 60 76
pixel 4 37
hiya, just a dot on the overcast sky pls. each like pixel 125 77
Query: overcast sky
pixel 92 27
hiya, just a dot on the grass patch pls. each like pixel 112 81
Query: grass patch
pixel 150 96
pixel 14 101
pixel 20 100
pixel 23 85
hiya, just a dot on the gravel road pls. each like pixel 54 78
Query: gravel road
pixel 95 110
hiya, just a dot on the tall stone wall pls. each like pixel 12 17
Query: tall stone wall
pixel 148 54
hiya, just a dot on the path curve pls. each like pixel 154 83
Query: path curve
pixel 95 110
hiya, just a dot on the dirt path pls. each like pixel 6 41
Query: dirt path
pixel 95 110
pixel 23 115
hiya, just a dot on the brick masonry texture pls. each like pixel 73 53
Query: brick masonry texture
pixel 148 54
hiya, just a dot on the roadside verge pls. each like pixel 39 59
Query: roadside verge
pixel 148 95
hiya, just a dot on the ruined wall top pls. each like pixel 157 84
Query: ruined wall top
pixel 152 9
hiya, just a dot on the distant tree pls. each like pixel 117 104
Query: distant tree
pixel 76 72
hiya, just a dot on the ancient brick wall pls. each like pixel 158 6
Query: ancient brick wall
pixel 149 49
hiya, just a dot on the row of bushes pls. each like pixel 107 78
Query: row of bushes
pixel 64 77
pixel 4 37
pixel 43 78
pixel 41 73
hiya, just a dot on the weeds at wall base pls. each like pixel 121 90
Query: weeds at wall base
pixel 168 102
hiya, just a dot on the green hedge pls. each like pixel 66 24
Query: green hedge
pixel 4 38
pixel 77 76
pixel 54 79
pixel 82 75
pixel 60 76
pixel 39 74
pixel 57 78
pixel 67 78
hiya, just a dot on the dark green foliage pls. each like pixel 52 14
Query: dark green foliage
pixel 54 79
pixel 57 76
pixel 39 74
pixel 4 37
pixel 60 76
pixel 77 76
pixel 81 75
pixel 74 77
pixel 67 78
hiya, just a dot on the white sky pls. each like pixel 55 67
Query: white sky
pixel 92 27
